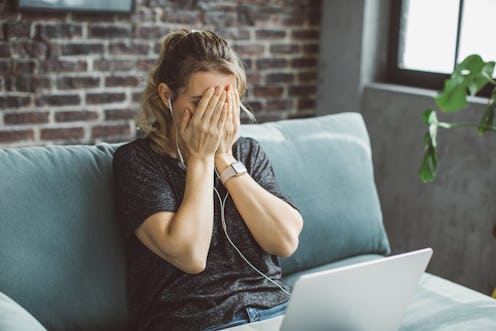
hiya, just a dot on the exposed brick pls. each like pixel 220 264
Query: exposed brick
pixel 311 48
pixel 305 34
pixel 284 48
pixel 128 48
pixel 109 31
pixel 4 66
pixel 221 19
pixel 96 98
pixel 248 63
pixel 308 76
pixel 28 49
pixel 114 65
pixel 30 83
pixel 50 65
pixel 59 31
pixel 235 33
pixel 119 114
pixel 59 100
pixel 182 17
pixel 23 66
pixel 270 34
pixel 255 106
pixel 10 136
pixel 136 97
pixel 12 101
pixel 78 82
pixel 110 130
pixel 92 17
pixel 121 81
pixel 268 91
pixel 81 49
pixel 4 49
pixel 62 133
pixel 306 104
pixel 74 116
pixel 249 49
pixel 26 118
pixel 304 62
pixel 151 32
pixel 254 77
pixel 19 29
pixel 303 90
pixel 146 64
pixel 279 78
pixel 281 105
pixel 291 21
pixel 271 63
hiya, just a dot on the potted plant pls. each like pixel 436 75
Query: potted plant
pixel 468 78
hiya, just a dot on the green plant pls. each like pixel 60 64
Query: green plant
pixel 469 77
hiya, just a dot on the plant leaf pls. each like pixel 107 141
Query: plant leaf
pixel 428 168
pixel 454 95
pixel 471 75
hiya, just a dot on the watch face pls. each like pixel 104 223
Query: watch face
pixel 238 167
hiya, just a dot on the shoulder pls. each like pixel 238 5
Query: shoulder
pixel 246 144
pixel 249 151
pixel 135 152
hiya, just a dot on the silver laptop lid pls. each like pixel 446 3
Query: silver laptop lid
pixel 368 296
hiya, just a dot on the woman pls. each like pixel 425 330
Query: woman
pixel 190 175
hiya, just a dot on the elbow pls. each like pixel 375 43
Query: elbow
pixel 194 263
pixel 194 268
pixel 288 248
pixel 291 243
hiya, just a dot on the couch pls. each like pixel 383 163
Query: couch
pixel 62 264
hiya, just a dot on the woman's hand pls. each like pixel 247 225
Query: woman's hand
pixel 202 131
pixel 231 125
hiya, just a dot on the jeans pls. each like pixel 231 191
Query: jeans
pixel 252 315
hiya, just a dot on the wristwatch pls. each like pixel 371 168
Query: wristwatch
pixel 234 169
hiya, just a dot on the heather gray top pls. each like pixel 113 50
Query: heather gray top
pixel 162 297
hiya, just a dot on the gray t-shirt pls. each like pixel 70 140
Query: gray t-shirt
pixel 162 297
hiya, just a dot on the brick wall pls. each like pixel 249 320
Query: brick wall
pixel 68 78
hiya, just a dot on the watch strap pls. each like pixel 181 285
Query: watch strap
pixel 234 169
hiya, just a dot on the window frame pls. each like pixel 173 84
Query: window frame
pixel 417 78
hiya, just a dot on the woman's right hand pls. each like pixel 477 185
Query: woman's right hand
pixel 202 130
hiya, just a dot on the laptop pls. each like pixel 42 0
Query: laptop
pixel 367 296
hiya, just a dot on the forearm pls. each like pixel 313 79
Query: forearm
pixel 274 224
pixel 190 230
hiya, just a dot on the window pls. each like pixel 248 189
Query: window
pixel 429 37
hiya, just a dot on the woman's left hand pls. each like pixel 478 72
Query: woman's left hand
pixel 231 126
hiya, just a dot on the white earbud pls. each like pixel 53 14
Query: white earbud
pixel 182 164
pixel 170 104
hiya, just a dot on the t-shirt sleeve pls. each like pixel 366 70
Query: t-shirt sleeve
pixel 141 188
pixel 261 170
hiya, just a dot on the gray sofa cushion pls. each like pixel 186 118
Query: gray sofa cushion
pixel 325 165
pixel 15 318
pixel 61 254
pixel 441 305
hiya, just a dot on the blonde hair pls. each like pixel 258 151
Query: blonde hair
pixel 183 53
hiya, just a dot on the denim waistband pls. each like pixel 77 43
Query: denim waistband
pixel 251 314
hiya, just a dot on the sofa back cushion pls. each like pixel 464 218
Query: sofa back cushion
pixel 325 165
pixel 61 255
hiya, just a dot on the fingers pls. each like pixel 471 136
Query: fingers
pixel 185 120
pixel 203 104
pixel 215 105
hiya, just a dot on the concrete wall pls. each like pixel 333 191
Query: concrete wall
pixel 456 214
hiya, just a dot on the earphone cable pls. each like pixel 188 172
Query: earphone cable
pixel 224 227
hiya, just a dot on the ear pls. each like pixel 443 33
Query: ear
pixel 164 92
